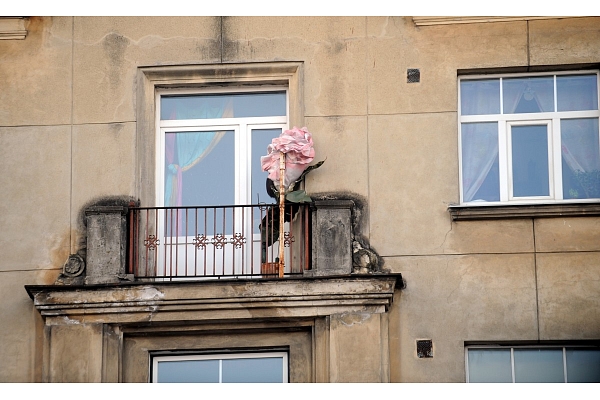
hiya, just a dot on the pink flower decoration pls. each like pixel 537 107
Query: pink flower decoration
pixel 297 144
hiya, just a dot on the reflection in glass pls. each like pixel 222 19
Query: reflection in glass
pixel 190 371
pixel 528 95
pixel 199 168
pixel 489 365
pixel 580 158
pixel 478 97
pixel 206 106
pixel 249 370
pixel 539 365
pixel 577 92
pixel 530 160
pixel 480 174
pixel 583 365
pixel 199 171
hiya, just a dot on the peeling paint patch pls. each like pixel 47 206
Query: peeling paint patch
pixel 69 321
pixel 353 319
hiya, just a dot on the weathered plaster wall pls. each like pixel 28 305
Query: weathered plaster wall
pixel 68 137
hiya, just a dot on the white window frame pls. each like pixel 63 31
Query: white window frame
pixel 505 121
pixel 220 357
pixel 532 347
pixel 242 128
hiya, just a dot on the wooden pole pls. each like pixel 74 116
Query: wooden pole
pixel 281 212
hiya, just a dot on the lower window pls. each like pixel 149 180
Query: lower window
pixel 533 364
pixel 266 367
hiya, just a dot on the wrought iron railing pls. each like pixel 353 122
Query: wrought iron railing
pixel 171 243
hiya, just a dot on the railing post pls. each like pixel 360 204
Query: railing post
pixel 106 244
pixel 331 238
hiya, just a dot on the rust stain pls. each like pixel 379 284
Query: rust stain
pixel 60 248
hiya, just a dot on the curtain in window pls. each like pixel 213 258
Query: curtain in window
pixel 191 148
pixel 581 153
pixel 479 152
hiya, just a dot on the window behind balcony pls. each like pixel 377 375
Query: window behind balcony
pixel 210 144
pixel 529 138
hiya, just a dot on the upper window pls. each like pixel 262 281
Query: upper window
pixel 533 364
pixel 529 138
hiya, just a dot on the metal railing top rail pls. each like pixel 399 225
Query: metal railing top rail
pixel 257 205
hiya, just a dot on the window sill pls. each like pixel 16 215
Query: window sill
pixel 465 213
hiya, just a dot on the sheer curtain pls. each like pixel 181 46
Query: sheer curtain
pixel 479 152
pixel 190 148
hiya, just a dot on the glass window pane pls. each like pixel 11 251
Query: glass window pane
pixel 580 158
pixel 528 95
pixel 577 92
pixel 479 97
pixel 583 365
pixel 199 168
pixel 238 105
pixel 480 174
pixel 539 365
pixel 249 370
pixel 530 160
pixel 188 371
pixel 261 138
pixel 489 365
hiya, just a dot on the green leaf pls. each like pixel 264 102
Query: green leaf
pixel 298 196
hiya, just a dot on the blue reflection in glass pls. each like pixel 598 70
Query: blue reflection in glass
pixel 478 97
pixel 489 365
pixel 577 92
pixel 238 105
pixel 530 161
pixel 539 365
pixel 190 371
pixel 251 370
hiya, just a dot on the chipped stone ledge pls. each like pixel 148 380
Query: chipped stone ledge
pixel 214 300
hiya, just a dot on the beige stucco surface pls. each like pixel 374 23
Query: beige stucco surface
pixel 333 50
pixel 109 49
pixel 567 234
pixel 569 295
pixel 36 74
pixel 354 362
pixel 564 41
pixel 340 141
pixel 34 210
pixel 103 165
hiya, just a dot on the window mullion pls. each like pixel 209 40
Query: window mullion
pixel 220 370
pixel 557 158
pixel 503 160
pixel 564 349
pixel 512 364
pixel 241 151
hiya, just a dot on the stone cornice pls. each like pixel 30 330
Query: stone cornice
pixel 214 300
pixel 427 21
pixel 13 28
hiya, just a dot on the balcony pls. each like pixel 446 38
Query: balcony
pixel 162 244
pixel 175 243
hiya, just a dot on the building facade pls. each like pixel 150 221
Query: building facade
pixel 454 234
